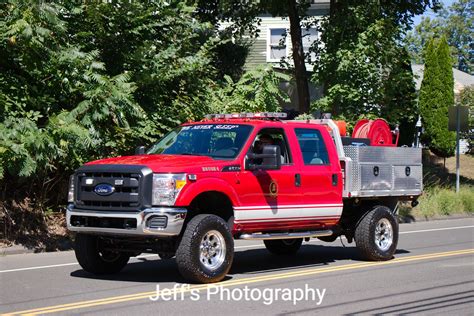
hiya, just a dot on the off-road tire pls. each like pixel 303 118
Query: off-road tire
pixel 365 234
pixel 93 260
pixel 189 251
pixel 283 246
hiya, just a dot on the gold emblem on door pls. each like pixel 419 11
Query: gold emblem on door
pixel 273 189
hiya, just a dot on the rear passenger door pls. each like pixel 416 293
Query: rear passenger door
pixel 321 178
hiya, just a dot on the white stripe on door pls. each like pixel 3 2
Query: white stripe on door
pixel 284 213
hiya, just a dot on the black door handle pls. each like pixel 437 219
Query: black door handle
pixel 334 179
pixel 297 180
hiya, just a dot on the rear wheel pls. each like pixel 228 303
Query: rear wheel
pixel 94 259
pixel 376 235
pixel 206 250
pixel 283 246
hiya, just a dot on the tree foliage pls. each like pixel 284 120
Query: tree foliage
pixel 436 95
pixel 79 81
pixel 258 90
pixel 456 23
pixel 362 63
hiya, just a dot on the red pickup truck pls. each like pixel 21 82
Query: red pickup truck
pixel 240 176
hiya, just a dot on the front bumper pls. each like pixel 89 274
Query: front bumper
pixel 160 221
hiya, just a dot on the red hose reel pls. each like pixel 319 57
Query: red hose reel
pixel 378 131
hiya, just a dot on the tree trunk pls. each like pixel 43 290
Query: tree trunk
pixel 298 58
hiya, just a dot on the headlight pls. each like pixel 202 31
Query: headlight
pixel 70 193
pixel 166 188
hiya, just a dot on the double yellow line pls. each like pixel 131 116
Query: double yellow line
pixel 246 281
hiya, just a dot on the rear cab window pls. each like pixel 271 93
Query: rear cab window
pixel 312 146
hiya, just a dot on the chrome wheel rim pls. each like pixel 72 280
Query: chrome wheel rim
pixel 383 234
pixel 212 250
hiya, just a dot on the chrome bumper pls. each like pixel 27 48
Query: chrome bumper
pixel 174 224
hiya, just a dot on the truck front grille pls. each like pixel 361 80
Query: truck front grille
pixel 111 187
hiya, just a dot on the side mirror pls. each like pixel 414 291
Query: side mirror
pixel 140 150
pixel 269 159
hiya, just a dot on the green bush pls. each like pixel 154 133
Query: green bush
pixel 467 200
pixel 439 201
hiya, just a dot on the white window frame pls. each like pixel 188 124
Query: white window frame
pixel 303 29
pixel 287 41
pixel 269 35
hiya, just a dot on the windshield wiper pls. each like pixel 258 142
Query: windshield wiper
pixel 191 154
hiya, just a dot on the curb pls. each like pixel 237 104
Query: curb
pixel 15 250
pixel 20 249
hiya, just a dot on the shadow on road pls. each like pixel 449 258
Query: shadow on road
pixel 430 302
pixel 154 271
pixel 260 260
pixel 247 262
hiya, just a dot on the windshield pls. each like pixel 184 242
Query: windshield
pixel 222 141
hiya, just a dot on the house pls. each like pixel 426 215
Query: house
pixel 461 79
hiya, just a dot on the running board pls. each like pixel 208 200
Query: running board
pixel 270 236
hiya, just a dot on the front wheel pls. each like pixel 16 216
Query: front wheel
pixel 376 235
pixel 206 250
pixel 94 259
pixel 283 246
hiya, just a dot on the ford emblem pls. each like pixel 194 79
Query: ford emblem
pixel 104 189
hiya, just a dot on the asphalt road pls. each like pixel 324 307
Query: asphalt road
pixel 432 273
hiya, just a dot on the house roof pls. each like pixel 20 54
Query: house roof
pixel 461 78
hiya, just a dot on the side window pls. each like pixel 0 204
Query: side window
pixel 271 136
pixel 276 44
pixel 312 146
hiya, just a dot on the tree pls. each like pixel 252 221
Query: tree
pixel 79 81
pixel 456 23
pixel 258 90
pixel 296 12
pixel 436 95
pixel 399 98
pixel 298 57
pixel 361 59
pixel 244 17
pixel 124 72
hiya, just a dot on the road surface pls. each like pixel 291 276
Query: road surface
pixel 432 273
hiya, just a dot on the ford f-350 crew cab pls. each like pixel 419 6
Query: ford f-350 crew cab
pixel 240 176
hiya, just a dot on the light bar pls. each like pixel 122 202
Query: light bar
pixel 278 115
pixel 271 115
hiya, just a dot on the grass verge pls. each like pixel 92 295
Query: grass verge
pixel 441 201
